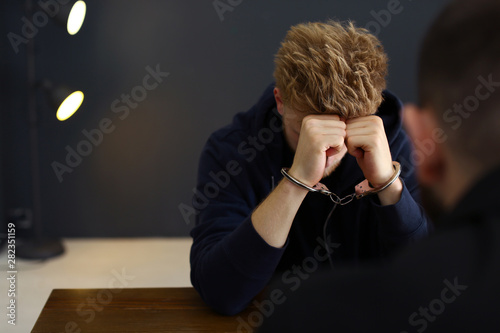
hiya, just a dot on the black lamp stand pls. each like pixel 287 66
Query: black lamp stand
pixel 37 246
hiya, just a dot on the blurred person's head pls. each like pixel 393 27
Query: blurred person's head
pixel 456 127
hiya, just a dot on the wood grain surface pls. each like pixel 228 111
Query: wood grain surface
pixel 135 310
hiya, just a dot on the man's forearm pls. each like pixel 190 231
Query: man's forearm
pixel 274 216
pixel 392 194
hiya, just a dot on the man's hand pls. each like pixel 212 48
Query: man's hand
pixel 366 140
pixel 325 139
pixel 320 149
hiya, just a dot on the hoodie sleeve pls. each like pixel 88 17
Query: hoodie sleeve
pixel 230 262
pixel 404 222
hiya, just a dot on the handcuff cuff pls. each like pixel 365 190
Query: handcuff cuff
pixel 362 190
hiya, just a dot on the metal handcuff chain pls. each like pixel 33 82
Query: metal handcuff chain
pixel 363 189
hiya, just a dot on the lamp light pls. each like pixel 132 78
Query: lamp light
pixel 63 99
pixel 70 15
pixel 76 17
pixel 69 106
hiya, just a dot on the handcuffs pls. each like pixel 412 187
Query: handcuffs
pixel 361 190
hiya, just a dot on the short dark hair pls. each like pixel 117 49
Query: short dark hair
pixel 461 52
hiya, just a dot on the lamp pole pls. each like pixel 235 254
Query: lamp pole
pixel 36 247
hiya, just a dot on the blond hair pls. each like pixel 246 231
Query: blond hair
pixel 331 68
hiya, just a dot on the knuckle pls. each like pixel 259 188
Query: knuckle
pixel 341 141
pixel 377 120
pixel 308 122
pixel 348 142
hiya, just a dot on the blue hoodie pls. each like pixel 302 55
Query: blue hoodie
pixel 240 165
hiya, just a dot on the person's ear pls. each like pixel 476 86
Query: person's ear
pixel 279 101
pixel 427 138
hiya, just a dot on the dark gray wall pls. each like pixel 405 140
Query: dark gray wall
pixel 134 177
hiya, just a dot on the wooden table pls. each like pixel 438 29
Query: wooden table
pixel 135 310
